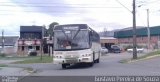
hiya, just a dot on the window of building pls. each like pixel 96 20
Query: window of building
pixel 30 47
pixel 30 35
pixel 37 47
pixel 22 48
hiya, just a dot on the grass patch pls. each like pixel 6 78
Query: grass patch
pixel 3 65
pixel 124 61
pixel 154 53
pixel 147 56
pixel 45 59
pixel 30 70
pixel 2 54
pixel 17 57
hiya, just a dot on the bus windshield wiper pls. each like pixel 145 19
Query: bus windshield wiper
pixel 76 34
pixel 70 41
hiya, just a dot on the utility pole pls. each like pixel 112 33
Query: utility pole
pixel 3 41
pixel 42 41
pixel 148 29
pixel 134 31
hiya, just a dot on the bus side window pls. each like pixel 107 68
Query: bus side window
pixel 95 37
pixel 90 38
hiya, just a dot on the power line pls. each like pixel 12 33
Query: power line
pixel 34 3
pixel 37 12
pixel 33 11
pixel 38 3
pixel 24 4
pixel 17 12
pixel 45 3
pixel 57 6
pixel 123 5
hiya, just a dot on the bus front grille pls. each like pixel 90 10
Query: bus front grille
pixel 71 60
pixel 71 57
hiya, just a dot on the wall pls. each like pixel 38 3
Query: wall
pixel 141 41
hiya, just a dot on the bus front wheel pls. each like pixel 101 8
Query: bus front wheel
pixel 64 66
pixel 91 64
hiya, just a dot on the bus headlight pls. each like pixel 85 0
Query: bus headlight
pixel 58 57
pixel 86 55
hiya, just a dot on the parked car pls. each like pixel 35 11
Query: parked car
pixel 115 49
pixel 140 50
pixel 32 52
pixel 104 50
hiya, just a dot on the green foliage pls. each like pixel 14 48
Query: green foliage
pixel 3 65
pixel 151 54
pixel 124 61
pixel 45 59
pixel 2 54
pixel 50 29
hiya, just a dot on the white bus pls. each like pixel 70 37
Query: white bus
pixel 76 43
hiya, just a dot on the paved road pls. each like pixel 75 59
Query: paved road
pixel 108 65
pixel 13 71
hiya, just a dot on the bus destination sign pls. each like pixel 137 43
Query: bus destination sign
pixel 71 27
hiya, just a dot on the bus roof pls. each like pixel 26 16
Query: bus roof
pixel 71 26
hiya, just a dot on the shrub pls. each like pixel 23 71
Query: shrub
pixel 2 54
pixel 33 54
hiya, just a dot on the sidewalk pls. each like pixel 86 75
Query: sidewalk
pixel 7 61
pixel 12 70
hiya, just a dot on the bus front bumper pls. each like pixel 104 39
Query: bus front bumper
pixel 72 60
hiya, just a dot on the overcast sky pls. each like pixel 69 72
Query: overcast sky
pixel 98 14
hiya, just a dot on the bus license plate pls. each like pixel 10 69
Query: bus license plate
pixel 71 61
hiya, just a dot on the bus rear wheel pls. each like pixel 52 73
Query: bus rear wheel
pixel 97 60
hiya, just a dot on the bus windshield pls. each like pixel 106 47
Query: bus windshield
pixel 71 40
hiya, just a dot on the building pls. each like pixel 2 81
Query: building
pixel 9 44
pixel 107 33
pixel 125 37
pixel 31 37
pixel 108 41
pixel 48 46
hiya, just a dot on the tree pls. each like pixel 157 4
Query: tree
pixel 50 29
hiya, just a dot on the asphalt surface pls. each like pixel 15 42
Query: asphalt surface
pixel 109 65
pixel 13 71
